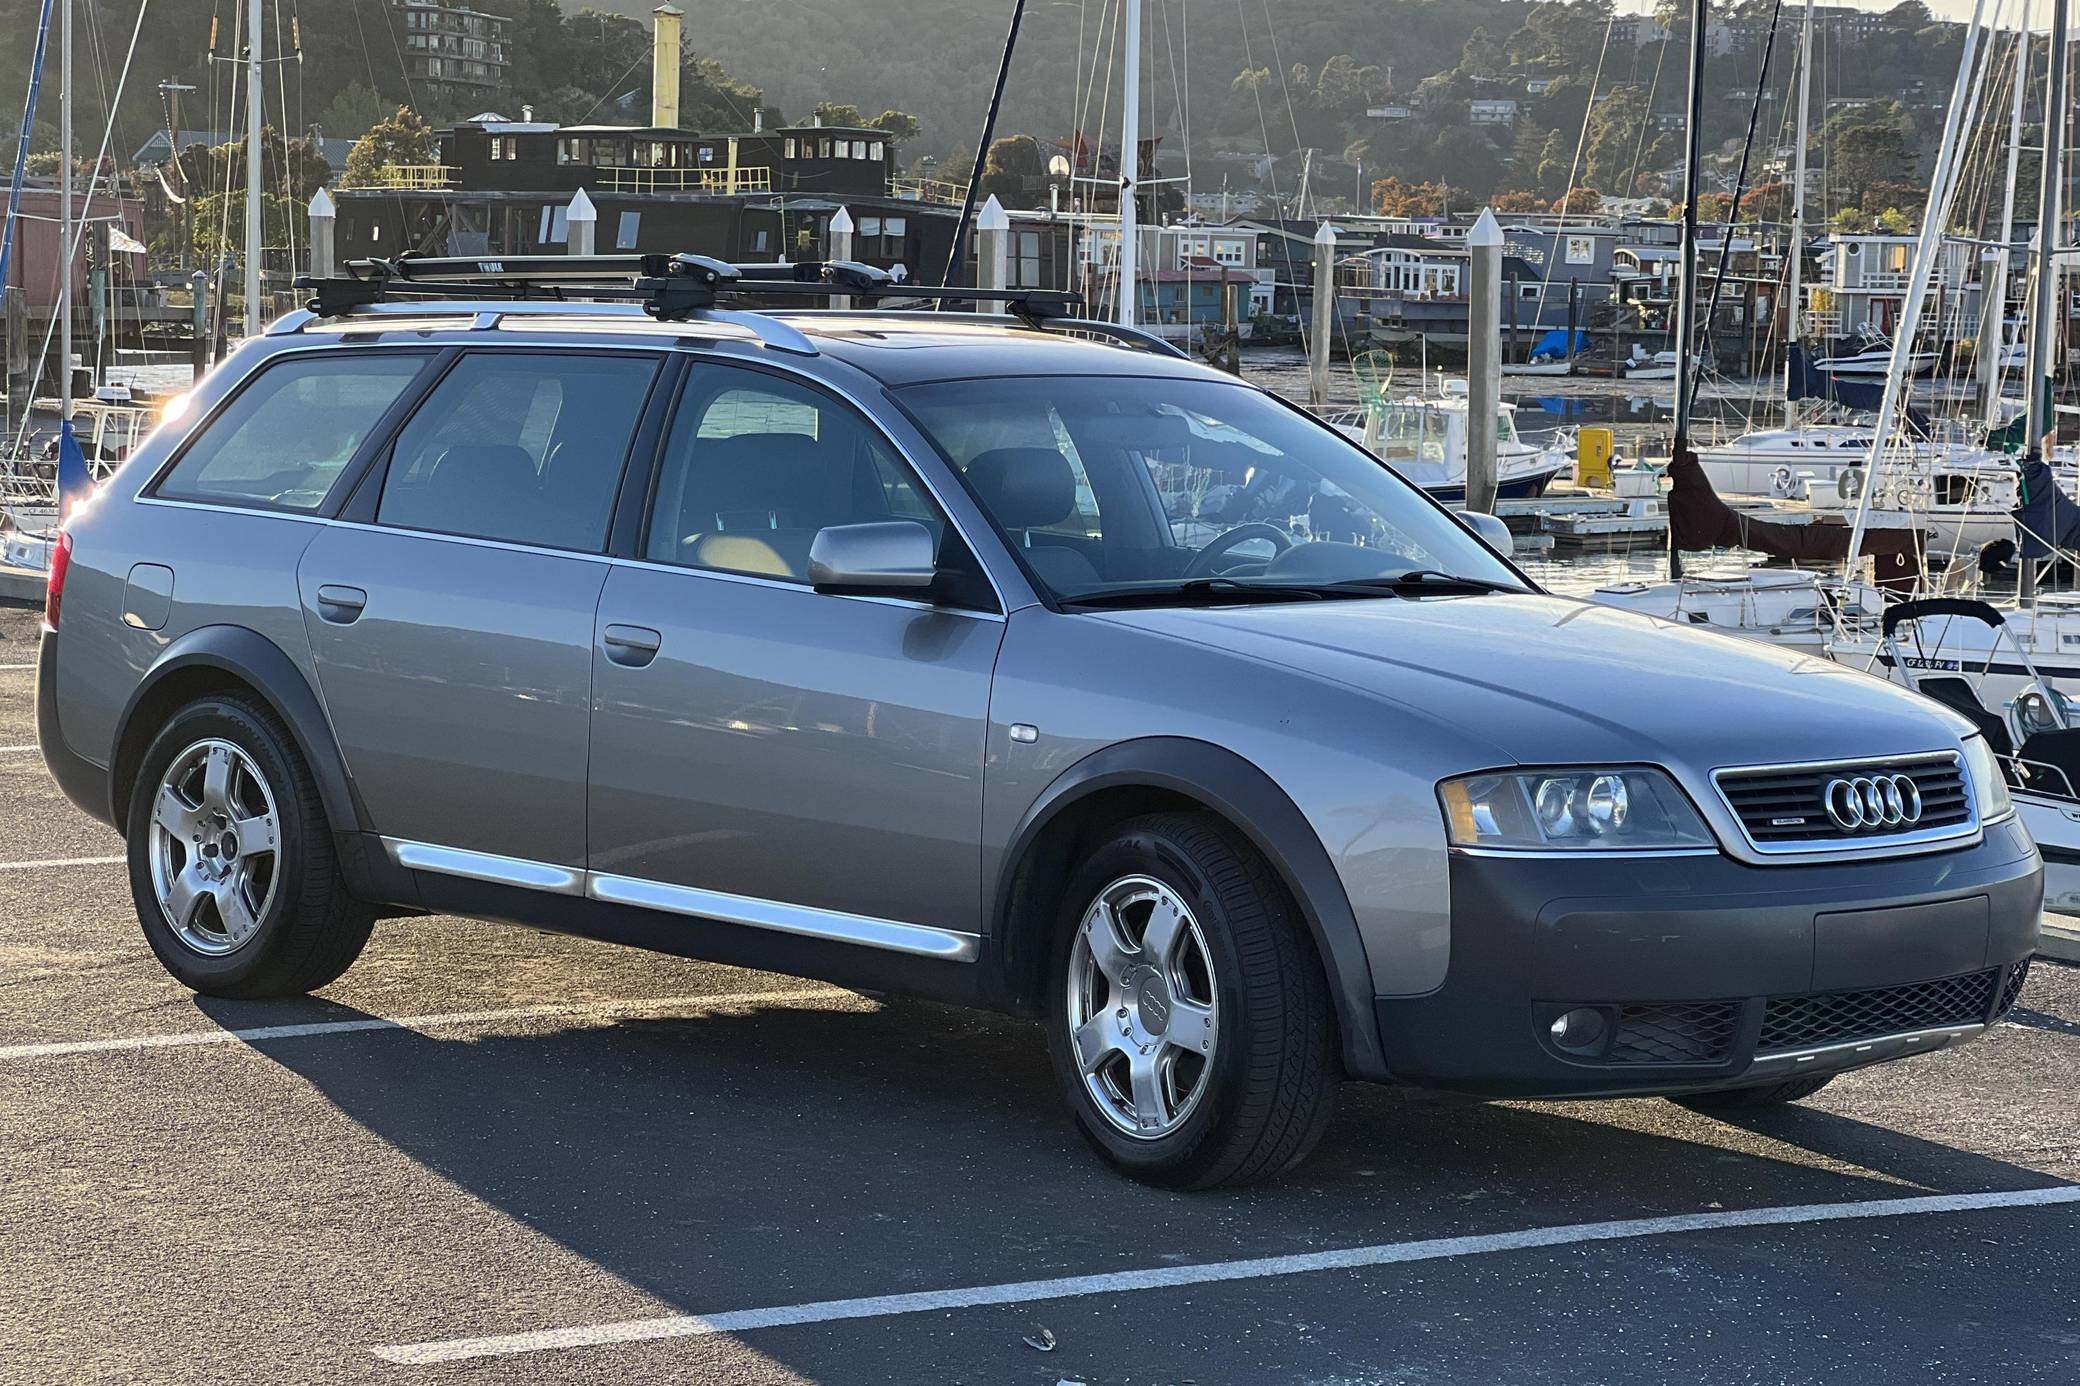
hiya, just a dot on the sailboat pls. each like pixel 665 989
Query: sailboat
pixel 1893 485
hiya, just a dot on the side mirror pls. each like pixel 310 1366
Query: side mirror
pixel 872 557
pixel 1490 531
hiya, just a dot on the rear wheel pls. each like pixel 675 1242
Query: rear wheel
pixel 1190 1023
pixel 231 861
pixel 1762 1095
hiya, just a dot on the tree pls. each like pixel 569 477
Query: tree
pixel 899 126
pixel 1863 151
pixel 355 108
pixel 1014 169
pixel 1582 200
pixel 1518 200
pixel 1393 198
pixel 405 138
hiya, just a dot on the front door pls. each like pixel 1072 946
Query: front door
pixel 453 631
pixel 766 754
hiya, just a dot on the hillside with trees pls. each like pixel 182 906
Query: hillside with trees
pixel 1389 98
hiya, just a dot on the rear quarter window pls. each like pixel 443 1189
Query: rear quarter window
pixel 285 438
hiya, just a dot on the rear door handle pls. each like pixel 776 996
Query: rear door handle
pixel 341 605
pixel 633 646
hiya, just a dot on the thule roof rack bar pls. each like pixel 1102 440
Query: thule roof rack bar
pixel 670 287
pixel 675 288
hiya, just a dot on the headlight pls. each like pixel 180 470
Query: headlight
pixel 1587 810
pixel 1989 786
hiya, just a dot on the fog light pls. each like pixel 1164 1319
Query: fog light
pixel 1579 1029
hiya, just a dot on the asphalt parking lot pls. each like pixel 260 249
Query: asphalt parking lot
pixel 494 1155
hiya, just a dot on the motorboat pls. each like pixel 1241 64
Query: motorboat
pixel 1424 439
pixel 1640 366
pixel 1869 354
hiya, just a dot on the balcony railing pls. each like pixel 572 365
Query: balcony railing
pixel 412 178
pixel 693 180
pixel 929 190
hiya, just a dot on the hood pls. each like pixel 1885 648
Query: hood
pixel 1552 680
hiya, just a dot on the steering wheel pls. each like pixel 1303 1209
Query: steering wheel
pixel 1202 564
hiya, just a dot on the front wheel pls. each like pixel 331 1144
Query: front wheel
pixel 1190 1023
pixel 231 862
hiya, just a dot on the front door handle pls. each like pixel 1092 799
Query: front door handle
pixel 341 605
pixel 633 646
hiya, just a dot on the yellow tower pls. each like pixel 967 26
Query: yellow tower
pixel 664 70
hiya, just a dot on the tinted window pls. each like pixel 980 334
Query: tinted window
pixel 520 447
pixel 283 441
pixel 756 464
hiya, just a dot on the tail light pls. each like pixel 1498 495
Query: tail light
pixel 54 593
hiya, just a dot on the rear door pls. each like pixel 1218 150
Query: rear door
pixel 767 754
pixel 451 609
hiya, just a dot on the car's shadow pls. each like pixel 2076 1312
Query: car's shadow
pixel 803 1152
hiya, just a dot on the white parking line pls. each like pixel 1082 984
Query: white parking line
pixel 668 1005
pixel 17 750
pixel 1172 1277
pixel 59 861
pixel 17 666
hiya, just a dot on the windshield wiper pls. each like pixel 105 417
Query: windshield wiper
pixel 1427 580
pixel 1212 591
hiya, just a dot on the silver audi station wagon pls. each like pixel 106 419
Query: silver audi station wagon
pixel 1000 659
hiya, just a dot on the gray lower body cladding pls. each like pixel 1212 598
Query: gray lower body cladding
pixel 1708 973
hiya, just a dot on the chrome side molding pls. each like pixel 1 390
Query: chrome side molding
pixel 485 866
pixel 889 935
pixel 892 935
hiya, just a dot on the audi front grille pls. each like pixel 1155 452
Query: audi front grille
pixel 1824 807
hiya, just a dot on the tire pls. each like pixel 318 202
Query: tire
pixel 268 916
pixel 1748 1099
pixel 1252 1097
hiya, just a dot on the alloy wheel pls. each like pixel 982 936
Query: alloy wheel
pixel 215 847
pixel 1142 1007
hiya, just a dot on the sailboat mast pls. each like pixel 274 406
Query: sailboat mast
pixel 1129 170
pixel 1686 255
pixel 1928 245
pixel 65 265
pixel 2038 371
pixel 1993 335
pixel 254 94
pixel 1795 320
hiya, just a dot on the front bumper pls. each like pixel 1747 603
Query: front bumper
pixel 1709 973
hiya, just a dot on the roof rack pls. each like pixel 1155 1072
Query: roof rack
pixel 677 288
pixel 670 287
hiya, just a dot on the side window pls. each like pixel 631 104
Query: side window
pixel 523 447
pixel 756 464
pixel 284 440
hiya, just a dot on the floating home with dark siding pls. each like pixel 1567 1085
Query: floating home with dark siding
pixel 503 187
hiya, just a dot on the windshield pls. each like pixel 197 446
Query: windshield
pixel 1114 486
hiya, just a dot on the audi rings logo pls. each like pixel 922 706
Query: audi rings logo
pixel 1873 801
